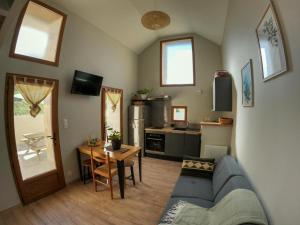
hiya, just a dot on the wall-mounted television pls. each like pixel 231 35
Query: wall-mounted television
pixel 86 84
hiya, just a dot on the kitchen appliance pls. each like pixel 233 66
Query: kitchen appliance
pixel 139 118
pixel 161 111
pixel 155 143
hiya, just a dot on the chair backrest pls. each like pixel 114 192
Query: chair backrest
pixel 105 158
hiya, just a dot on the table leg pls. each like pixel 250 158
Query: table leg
pixel 121 174
pixel 140 164
pixel 79 164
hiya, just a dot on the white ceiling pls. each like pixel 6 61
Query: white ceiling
pixel 121 18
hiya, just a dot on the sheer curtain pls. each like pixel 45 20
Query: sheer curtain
pixel 114 98
pixel 112 111
pixel 33 92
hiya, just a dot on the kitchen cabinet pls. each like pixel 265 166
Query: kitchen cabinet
pixel 192 144
pixel 180 144
pixel 174 144
pixel 222 94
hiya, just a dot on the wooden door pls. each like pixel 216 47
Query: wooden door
pixel 33 141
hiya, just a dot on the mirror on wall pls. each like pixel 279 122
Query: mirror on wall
pixel 179 113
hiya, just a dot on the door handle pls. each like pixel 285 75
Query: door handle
pixel 52 137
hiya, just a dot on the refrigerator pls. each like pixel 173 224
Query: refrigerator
pixel 139 118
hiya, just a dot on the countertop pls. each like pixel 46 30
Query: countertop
pixel 171 130
pixel 215 124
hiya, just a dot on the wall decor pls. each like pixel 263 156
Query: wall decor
pixel 247 85
pixel 271 46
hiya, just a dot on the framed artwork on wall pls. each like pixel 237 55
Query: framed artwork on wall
pixel 271 46
pixel 247 85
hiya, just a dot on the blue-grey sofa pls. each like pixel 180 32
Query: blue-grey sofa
pixel 206 192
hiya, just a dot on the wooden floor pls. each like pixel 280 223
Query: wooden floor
pixel 79 204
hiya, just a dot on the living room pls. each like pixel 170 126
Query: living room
pixel 108 38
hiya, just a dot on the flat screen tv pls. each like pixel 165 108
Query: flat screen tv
pixel 86 84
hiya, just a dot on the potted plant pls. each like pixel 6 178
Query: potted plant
pixel 115 138
pixel 144 93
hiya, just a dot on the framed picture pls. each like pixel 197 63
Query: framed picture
pixel 247 85
pixel 271 46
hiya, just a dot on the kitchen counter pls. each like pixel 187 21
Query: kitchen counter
pixel 215 124
pixel 172 130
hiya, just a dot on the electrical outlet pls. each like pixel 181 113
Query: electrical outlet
pixel 66 123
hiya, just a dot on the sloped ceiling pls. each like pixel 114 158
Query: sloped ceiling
pixel 121 19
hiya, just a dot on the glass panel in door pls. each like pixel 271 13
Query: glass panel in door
pixel 33 135
pixel 112 110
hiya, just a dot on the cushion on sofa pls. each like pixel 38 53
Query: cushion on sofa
pixel 197 187
pixel 225 169
pixel 198 168
pixel 235 182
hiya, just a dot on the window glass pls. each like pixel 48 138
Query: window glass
pixel 177 62
pixel 39 33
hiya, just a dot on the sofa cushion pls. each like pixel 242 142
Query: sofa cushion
pixel 225 169
pixel 197 187
pixel 197 168
pixel 233 183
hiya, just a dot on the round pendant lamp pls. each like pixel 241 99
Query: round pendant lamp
pixel 155 20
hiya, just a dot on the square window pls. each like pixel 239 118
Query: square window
pixel 177 62
pixel 179 113
pixel 39 34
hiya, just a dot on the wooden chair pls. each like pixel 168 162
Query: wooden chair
pixel 130 163
pixel 108 170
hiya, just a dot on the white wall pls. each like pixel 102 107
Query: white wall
pixel 267 135
pixel 84 48
pixel 197 98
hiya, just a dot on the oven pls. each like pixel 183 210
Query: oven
pixel 155 143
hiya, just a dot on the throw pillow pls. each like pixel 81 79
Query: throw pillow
pixel 198 168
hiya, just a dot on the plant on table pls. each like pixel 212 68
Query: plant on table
pixel 115 138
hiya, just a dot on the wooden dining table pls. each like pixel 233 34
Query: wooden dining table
pixel 126 152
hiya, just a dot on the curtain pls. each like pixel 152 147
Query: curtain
pixel 114 98
pixel 33 92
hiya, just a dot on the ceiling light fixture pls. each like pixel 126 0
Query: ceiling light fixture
pixel 155 20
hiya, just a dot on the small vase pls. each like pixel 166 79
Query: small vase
pixel 116 144
pixel 143 96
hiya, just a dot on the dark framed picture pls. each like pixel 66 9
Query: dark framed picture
pixel 271 46
pixel 247 85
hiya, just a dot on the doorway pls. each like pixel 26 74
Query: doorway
pixel 111 111
pixel 32 133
